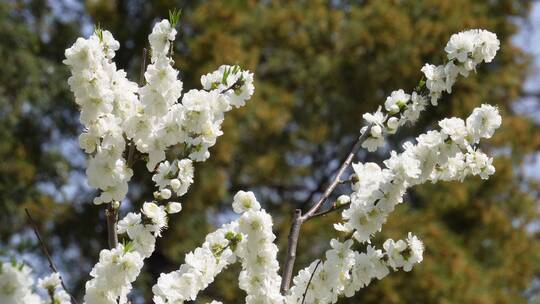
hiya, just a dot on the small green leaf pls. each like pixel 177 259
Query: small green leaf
pixel 128 246
pixel 174 16
pixel 99 32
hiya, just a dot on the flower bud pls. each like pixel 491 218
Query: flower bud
pixel 175 184
pixel 151 210
pixel 393 109
pixel 392 124
pixel 342 200
pixel 165 193
pixel 174 207
pixel 376 131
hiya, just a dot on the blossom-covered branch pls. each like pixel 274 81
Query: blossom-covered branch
pixel 465 50
pixel 122 118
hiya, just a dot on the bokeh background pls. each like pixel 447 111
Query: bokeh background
pixel 319 66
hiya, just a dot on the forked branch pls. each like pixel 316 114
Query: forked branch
pixel 299 219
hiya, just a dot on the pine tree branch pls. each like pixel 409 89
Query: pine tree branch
pixel 299 219
pixel 46 253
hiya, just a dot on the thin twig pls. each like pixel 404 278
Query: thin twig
pixel 337 179
pixel 329 210
pixel 298 218
pixel 46 253
pixel 309 282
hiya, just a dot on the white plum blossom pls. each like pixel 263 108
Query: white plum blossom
pixel 483 122
pixel 259 277
pixel 235 84
pixel 113 274
pixel 161 38
pixel 396 101
pixel 487 46
pixel 201 267
pixel 245 201
pixel 435 81
pixel 461 46
pixel 377 191
pixel 455 128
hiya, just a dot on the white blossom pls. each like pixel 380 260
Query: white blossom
pixel 245 201
pixel 483 122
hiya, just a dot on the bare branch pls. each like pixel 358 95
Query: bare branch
pixel 298 218
pixel 46 252
pixel 294 234
pixel 337 178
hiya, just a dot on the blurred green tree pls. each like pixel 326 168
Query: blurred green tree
pixel 319 66
pixel 36 115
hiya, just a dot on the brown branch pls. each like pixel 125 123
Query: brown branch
pixel 294 234
pixel 46 252
pixel 298 218
pixel 337 178
pixel 309 282
pixel 112 218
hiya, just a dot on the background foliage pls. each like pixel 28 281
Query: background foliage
pixel 319 66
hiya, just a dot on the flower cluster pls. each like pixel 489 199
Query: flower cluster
pixel 177 177
pixel 151 118
pixel 259 277
pixel 346 271
pixel 250 238
pixel 117 114
pixel 465 50
pixel 107 99
pixel 201 266
pixel 157 123
pixel 447 155
pixel 112 275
